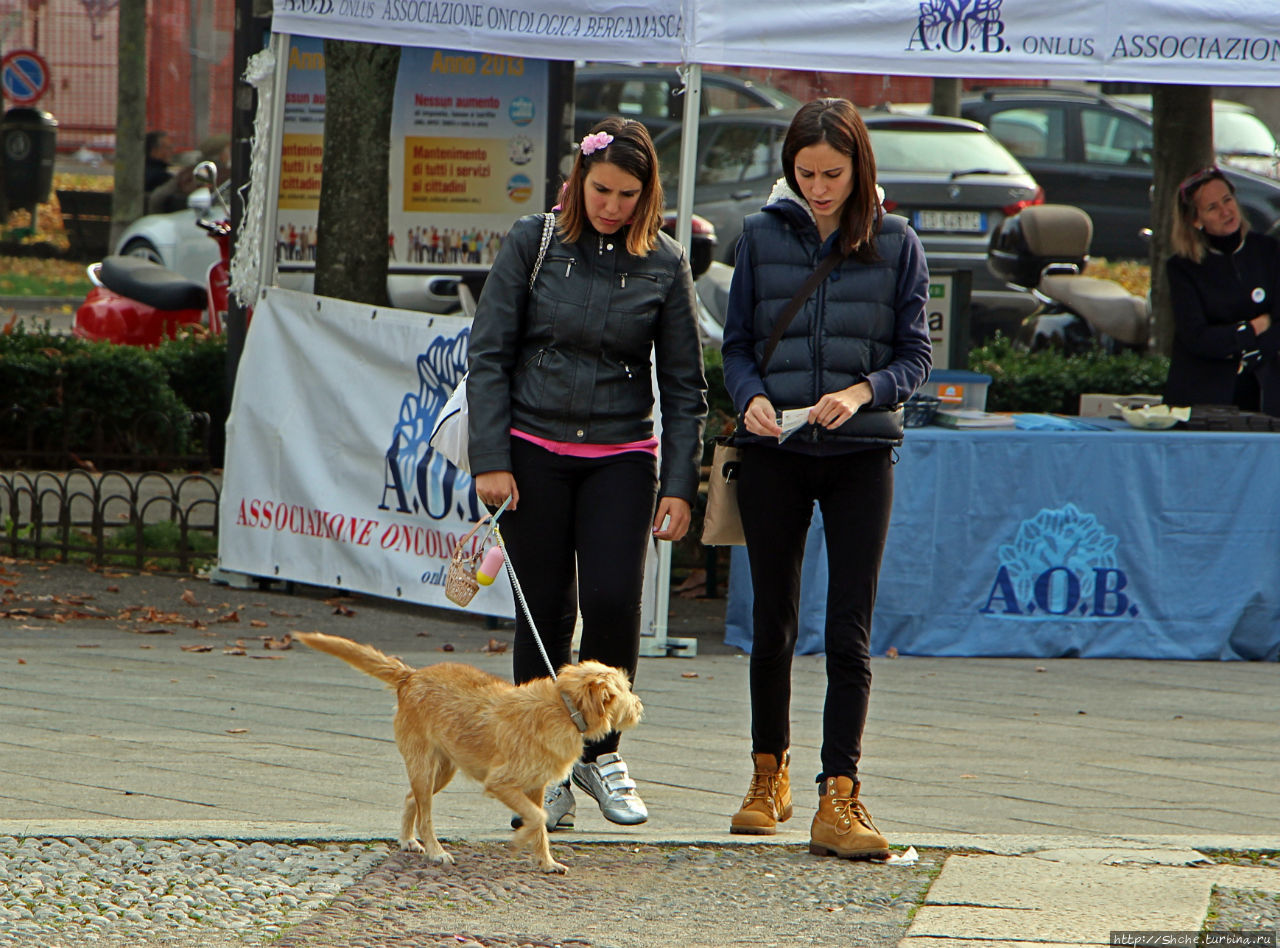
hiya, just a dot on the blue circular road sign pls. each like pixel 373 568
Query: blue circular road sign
pixel 24 76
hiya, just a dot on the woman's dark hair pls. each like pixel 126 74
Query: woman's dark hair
pixel 631 151
pixel 837 123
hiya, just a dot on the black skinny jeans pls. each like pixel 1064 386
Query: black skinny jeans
pixel 599 513
pixel 776 491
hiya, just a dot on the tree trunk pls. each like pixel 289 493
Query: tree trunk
pixel 1182 117
pixel 946 96
pixel 351 256
pixel 131 117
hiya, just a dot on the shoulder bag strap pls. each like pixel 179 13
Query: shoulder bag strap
pixel 548 228
pixel 829 263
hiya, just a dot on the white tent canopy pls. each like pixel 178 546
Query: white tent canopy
pixel 1230 42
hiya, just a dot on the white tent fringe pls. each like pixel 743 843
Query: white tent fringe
pixel 245 270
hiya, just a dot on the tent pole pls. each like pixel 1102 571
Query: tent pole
pixel 684 231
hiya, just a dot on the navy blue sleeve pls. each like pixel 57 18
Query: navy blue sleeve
pixel 741 374
pixel 912 350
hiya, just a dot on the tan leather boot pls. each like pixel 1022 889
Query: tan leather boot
pixel 842 826
pixel 768 800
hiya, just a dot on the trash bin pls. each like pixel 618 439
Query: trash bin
pixel 28 138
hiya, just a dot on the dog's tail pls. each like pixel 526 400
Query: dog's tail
pixel 364 657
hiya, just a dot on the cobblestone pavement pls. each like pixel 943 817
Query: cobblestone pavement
pixel 216 893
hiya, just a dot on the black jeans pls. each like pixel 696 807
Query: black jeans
pixel 776 491
pixel 578 541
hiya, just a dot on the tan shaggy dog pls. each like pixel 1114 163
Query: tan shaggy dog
pixel 515 740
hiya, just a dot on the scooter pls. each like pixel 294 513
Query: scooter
pixel 1043 250
pixel 139 303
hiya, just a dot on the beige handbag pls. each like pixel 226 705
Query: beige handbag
pixel 722 521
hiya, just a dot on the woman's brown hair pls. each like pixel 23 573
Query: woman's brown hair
pixel 631 151
pixel 1187 239
pixel 837 123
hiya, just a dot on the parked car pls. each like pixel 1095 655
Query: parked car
pixel 948 176
pixel 177 242
pixel 654 95
pixel 1240 138
pixel 1094 152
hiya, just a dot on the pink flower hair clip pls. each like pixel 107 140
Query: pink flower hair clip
pixel 593 143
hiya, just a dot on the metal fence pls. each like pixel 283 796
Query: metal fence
pixel 190 65
pixel 112 519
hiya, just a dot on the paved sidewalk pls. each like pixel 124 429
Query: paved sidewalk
pixel 148 706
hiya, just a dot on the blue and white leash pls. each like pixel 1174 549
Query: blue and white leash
pixel 515 587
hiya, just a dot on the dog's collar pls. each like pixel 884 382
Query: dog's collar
pixel 574 713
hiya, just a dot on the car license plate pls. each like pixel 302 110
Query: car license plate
pixel 966 221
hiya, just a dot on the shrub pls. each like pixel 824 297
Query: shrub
pixel 97 401
pixel 1048 381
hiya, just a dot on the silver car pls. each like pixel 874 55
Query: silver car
pixel 176 242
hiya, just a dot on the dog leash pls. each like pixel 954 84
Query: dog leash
pixel 578 720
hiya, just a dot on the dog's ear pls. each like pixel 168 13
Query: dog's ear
pixel 601 692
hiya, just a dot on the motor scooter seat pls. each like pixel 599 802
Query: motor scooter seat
pixel 147 282
pixel 1107 305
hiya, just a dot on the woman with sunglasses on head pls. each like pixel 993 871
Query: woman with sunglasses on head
pixel 561 421
pixel 1224 284
pixel 857 342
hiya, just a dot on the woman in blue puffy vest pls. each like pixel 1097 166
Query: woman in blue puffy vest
pixel 856 348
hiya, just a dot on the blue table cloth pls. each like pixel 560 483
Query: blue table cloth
pixel 1096 544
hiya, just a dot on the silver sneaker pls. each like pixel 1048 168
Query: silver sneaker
pixel 560 806
pixel 608 782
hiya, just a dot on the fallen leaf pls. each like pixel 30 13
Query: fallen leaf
pixel 88 646
pixel 237 730
pixel 229 617
pixel 190 598
pixel 267 656
pixel 156 631
pixel 891 652
pixel 688 674
pixel 234 650
pixel 341 610
pixel 22 661
pixel 424 635
pixel 282 643
pixel 495 647
pixel 1040 668
pixel 196 648
pixel 281 614
pixel 258 623
pixel 447 647
pixel 113 589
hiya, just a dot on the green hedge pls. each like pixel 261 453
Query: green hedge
pixel 1044 381
pixel 63 395
pixel 1048 381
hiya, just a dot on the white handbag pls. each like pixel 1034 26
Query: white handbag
pixel 449 433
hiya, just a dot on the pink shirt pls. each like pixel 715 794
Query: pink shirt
pixel 572 449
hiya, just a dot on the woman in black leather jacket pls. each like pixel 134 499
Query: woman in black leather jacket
pixel 561 400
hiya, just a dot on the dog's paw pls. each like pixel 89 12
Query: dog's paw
pixel 557 867
pixel 411 846
pixel 441 858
